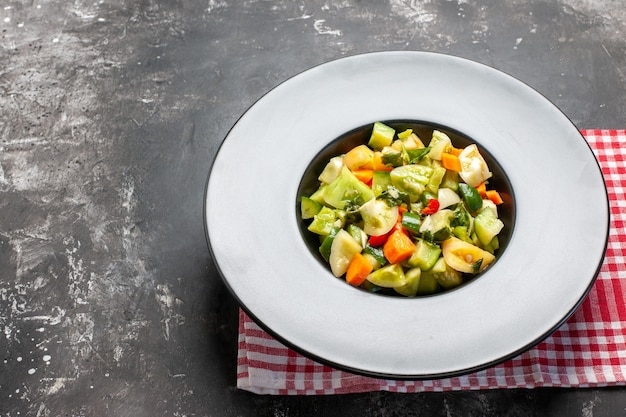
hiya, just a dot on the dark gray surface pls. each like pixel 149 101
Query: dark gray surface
pixel 110 114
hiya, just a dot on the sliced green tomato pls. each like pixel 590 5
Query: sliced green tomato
pixel 471 196
pixel 425 255
pixel 411 179
pixel 389 276
pixel 331 170
pixel 438 144
pixel 380 182
pixel 378 217
pixel 309 208
pixel 347 190
pixel 412 277
pixel 450 180
pixel 319 194
pixel 435 179
pixel 474 169
pixel 487 225
pixel 438 224
pixel 465 257
pixel 427 285
pixel 342 250
pixel 447 198
pixel 446 276
pixel 382 135
pixel 324 221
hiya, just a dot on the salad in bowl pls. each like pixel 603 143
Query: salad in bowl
pixel 405 215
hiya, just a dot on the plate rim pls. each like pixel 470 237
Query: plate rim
pixel 439 375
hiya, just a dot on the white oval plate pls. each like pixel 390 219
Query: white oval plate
pixel 550 263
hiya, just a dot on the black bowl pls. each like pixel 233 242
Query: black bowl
pixel 424 130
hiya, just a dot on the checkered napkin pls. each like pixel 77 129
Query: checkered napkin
pixel 589 350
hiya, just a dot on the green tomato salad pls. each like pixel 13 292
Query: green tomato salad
pixel 400 217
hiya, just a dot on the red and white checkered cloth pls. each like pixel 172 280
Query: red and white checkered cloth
pixel 589 350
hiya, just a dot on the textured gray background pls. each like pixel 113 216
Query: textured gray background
pixel 110 114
